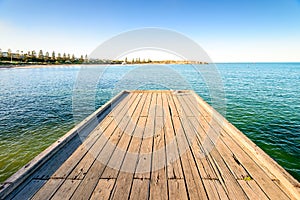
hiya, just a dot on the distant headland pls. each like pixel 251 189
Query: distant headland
pixel 20 58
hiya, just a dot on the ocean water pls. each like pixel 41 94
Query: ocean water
pixel 39 105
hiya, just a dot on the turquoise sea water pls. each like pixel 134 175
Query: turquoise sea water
pixel 39 105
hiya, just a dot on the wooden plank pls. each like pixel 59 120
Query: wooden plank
pixel 87 185
pixel 125 177
pixel 252 168
pixel 110 134
pixel 252 189
pixel 68 166
pixel 75 158
pixel 232 186
pixel 48 190
pixel 119 106
pixel 190 175
pixel 258 175
pixel 90 157
pixel 146 107
pixel 144 159
pixel 90 181
pixel 172 107
pixel 257 190
pixel 119 154
pixel 158 183
pixel 220 189
pixel 205 169
pixel 159 105
pixel 190 139
pixel 145 156
pixel 177 189
pixel 150 91
pixel 138 110
pixel 208 167
pixel 140 127
pixel 174 165
pixel 274 171
pixel 237 170
pixel 207 132
pixel 193 181
pixel 30 189
pixel 140 189
pixel 177 105
pixel 185 110
pixel 103 189
pixel 212 192
pixel 204 166
pixel 66 190
pixel 121 118
pixel 222 156
pixel 49 167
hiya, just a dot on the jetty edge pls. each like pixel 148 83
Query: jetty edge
pixel 234 168
pixel 80 131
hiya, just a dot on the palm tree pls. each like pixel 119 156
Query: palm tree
pixel 18 54
pixel 46 56
pixel 81 58
pixel 33 54
pixel 41 55
pixel 22 55
pixel 9 54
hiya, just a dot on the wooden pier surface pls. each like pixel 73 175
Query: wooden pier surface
pixel 154 145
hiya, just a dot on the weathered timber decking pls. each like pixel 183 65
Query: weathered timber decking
pixel 153 145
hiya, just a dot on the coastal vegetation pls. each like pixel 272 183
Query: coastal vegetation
pixel 33 58
pixel 9 58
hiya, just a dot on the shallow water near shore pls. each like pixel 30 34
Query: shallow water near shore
pixel 37 107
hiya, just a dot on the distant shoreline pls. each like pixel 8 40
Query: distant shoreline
pixel 31 66
pixel 67 65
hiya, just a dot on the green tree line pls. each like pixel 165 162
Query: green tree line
pixel 32 57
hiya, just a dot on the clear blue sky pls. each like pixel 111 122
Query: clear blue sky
pixel 232 30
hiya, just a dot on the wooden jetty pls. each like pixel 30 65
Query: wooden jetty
pixel 152 145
